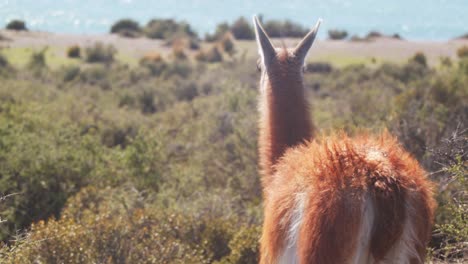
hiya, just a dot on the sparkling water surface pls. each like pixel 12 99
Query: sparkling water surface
pixel 412 19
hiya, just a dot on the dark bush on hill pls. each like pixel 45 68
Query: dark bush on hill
pixel 17 25
pixel 241 29
pixel 337 34
pixel 167 28
pixel 126 27
pixel 284 29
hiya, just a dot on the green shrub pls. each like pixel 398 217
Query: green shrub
pixel 117 136
pixel 167 28
pixel 52 165
pixel 161 29
pixel 462 52
pixel 178 53
pixel 374 34
pixel 284 29
pixel 227 44
pixel 110 232
pixel 451 231
pixel 3 61
pixel 37 61
pixel 194 44
pixel 100 53
pixel 186 92
pixel 94 75
pixel 127 100
pixel 70 73
pixel 182 69
pixel 337 34
pixel 244 246
pixel 113 226
pixel 74 51
pixel 419 58
pixel 396 36
pixel 319 67
pixel 126 27
pixel 17 25
pixel 241 29
pixel 422 113
pixel 212 55
pixel 446 61
pixel 146 100
pixel 155 63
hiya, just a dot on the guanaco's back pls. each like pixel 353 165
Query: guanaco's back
pixel 332 199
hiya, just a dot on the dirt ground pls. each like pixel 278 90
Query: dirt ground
pixel 387 49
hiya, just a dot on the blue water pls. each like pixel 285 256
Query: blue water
pixel 412 19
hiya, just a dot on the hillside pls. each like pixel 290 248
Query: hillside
pixel 144 153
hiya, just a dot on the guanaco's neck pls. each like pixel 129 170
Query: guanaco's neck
pixel 284 117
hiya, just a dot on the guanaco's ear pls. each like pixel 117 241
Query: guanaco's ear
pixel 303 47
pixel 265 48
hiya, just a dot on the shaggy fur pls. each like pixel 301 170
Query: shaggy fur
pixel 335 199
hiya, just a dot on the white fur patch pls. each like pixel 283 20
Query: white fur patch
pixel 290 254
pixel 401 253
pixel 374 155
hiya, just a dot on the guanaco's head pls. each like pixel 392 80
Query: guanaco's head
pixel 282 63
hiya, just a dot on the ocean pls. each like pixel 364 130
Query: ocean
pixel 412 19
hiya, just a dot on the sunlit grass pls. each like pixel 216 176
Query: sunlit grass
pixel 346 60
pixel 55 57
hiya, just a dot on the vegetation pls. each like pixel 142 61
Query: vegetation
pixel 212 55
pixel 284 29
pixel 74 51
pixel 462 52
pixel 464 36
pixel 374 34
pixel 168 28
pixel 100 53
pixel 17 25
pixel 157 163
pixel 241 29
pixel 126 27
pixel 178 53
pixel 227 44
pixel 337 34
pixel 3 61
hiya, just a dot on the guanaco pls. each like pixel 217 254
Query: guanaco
pixel 332 199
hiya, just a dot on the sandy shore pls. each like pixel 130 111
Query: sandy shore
pixel 380 48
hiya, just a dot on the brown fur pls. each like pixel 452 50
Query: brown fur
pixel 336 174
pixel 288 123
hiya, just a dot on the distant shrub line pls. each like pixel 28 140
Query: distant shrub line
pixel 240 29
